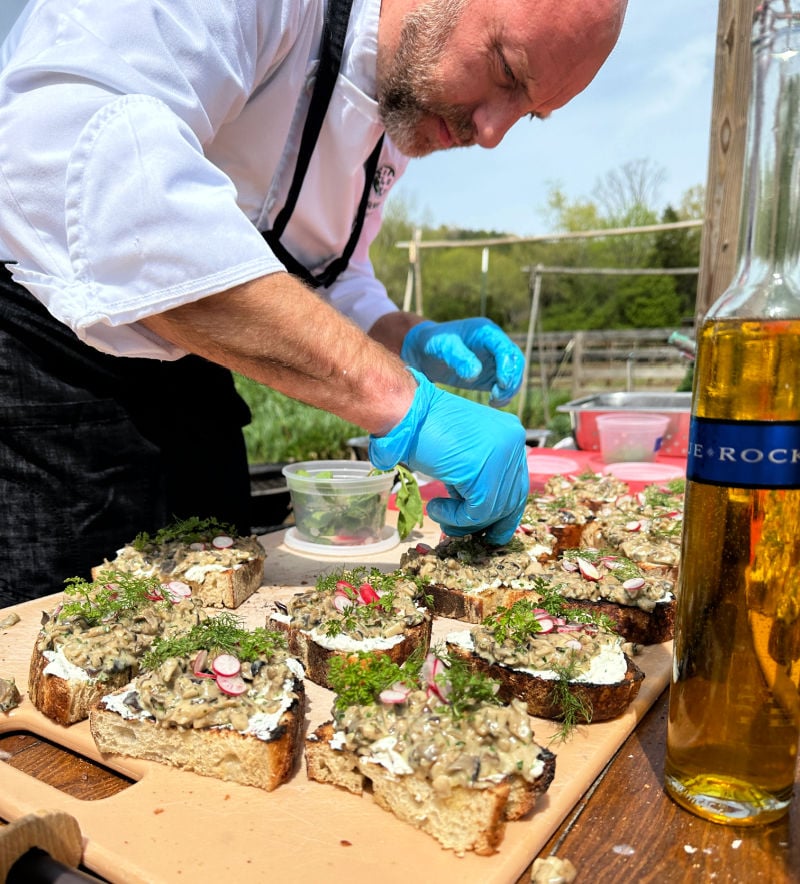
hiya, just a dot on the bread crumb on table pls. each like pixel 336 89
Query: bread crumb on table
pixel 553 870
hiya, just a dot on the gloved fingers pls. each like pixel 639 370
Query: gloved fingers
pixel 457 519
pixel 509 363
pixel 455 354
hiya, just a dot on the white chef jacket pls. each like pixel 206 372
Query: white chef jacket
pixel 146 142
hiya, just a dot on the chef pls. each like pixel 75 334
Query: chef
pixel 191 188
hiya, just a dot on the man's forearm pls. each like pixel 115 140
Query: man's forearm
pixel 281 334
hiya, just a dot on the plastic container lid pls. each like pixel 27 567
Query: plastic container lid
pixel 389 539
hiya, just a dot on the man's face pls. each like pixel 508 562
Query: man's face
pixel 463 72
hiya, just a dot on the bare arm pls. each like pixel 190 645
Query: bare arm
pixel 391 328
pixel 276 331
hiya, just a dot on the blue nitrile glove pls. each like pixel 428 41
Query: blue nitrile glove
pixel 474 354
pixel 477 452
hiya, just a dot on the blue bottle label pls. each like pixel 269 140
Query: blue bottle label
pixel 744 454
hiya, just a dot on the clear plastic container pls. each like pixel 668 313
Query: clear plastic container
pixel 631 437
pixel 338 502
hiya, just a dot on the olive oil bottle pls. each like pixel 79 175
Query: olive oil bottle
pixel 734 712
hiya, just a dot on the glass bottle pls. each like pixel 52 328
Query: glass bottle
pixel 734 711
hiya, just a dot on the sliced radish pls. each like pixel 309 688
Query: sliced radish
pixel 199 665
pixel 525 529
pixel 367 594
pixel 633 525
pixel 346 588
pixel 567 565
pixel 546 624
pixel 178 590
pixel 341 602
pixel 587 569
pixel 432 669
pixel 423 549
pixel 393 696
pixel 574 645
pixel 633 585
pixel 233 685
pixel 226 665
pixel 222 541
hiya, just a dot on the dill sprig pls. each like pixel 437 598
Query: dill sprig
pixel 468 689
pixel 575 708
pixel 109 595
pixel 222 634
pixel 517 623
pixel 191 530
pixel 664 495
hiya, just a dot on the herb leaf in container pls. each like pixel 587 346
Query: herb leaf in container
pixel 344 503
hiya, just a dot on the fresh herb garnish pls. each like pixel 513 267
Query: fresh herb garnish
pixel 516 623
pixel 359 679
pixel 222 634
pixel 408 502
pixel 191 530
pixel 624 568
pixel 575 708
pixel 112 593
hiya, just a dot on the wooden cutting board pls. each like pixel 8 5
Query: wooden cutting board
pixel 170 824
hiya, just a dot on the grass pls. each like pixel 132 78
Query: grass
pixel 284 430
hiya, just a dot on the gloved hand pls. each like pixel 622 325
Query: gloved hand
pixel 477 452
pixel 474 354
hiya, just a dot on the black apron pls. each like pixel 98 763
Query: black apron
pixel 95 448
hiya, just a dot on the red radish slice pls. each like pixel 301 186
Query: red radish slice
pixel 587 569
pixel 574 645
pixel 233 685
pixel 197 546
pixel 393 696
pixel 633 585
pixel 341 602
pixel 633 526
pixel 567 565
pixel 226 665
pixel 178 589
pixel 222 542
pixel 546 624
pixel 347 588
pixel 423 549
pixel 199 665
pixel 367 594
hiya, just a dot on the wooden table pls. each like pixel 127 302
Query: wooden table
pixel 623 828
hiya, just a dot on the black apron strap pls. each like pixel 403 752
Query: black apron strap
pixel 333 36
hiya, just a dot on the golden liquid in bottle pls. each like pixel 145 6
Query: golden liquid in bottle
pixel 734 715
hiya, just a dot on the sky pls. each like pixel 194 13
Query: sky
pixel 651 100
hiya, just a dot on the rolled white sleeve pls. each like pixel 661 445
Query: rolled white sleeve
pixel 108 205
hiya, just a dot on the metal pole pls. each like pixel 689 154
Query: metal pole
pixel 484 276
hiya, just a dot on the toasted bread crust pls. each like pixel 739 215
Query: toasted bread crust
pixel 218 589
pixel 473 607
pixel 467 819
pixel 213 752
pixel 605 700
pixel 67 701
pixel 316 658
pixel 632 623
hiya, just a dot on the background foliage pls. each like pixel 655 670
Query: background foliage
pixel 453 288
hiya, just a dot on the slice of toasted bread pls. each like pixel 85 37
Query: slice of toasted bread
pixel 468 579
pixel 639 602
pixel 234 714
pixel 213 752
pixel 464 819
pixel 224 569
pixel 75 661
pixel 352 610
pixel 595 701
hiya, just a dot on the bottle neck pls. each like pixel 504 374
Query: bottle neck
pixel 768 269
